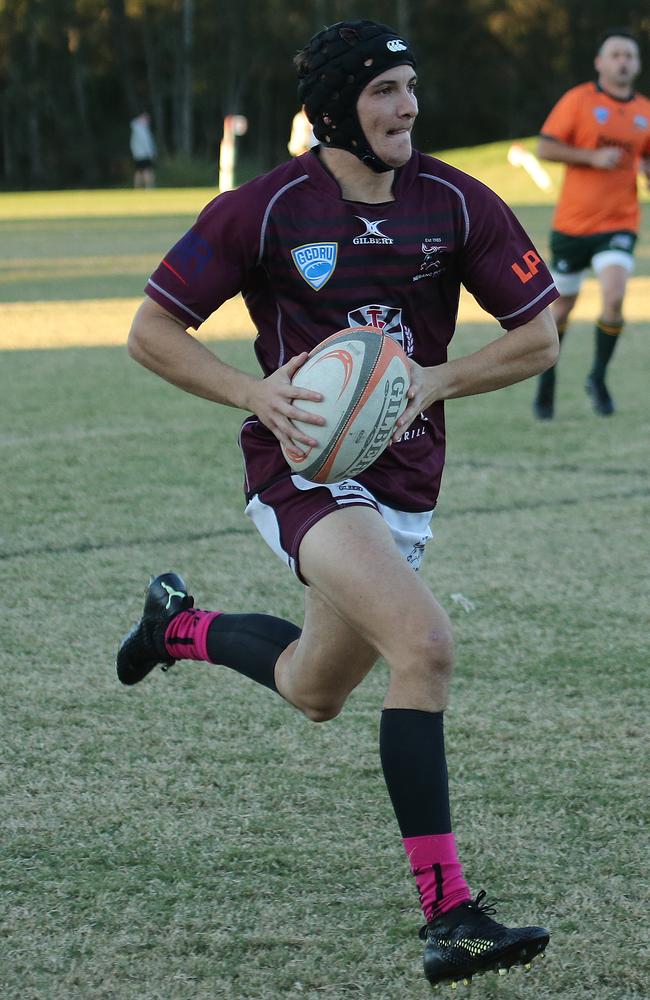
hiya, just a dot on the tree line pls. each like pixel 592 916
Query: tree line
pixel 74 72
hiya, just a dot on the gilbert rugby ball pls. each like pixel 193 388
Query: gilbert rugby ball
pixel 363 377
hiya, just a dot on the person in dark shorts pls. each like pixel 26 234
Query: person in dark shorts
pixel 601 131
pixel 395 234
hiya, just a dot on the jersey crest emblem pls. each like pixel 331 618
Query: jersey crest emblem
pixel 316 262
pixel 640 121
pixel 388 319
pixel 601 114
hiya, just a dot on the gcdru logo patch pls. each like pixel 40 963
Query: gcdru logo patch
pixel 601 115
pixel 316 262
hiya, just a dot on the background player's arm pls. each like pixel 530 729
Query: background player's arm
pixel 644 167
pixel 527 350
pixel 604 158
pixel 160 342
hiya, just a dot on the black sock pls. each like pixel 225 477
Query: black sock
pixel 546 383
pixel 250 644
pixel 605 340
pixel 412 749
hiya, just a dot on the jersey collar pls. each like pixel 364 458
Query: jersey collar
pixel 325 182
pixel 619 100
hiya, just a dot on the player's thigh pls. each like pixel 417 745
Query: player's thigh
pixel 330 659
pixel 352 561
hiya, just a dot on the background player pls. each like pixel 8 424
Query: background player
pixel 143 151
pixel 371 211
pixel 601 131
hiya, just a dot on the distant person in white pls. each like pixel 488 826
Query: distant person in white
pixel 143 151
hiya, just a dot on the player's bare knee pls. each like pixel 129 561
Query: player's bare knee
pixel 613 310
pixel 438 653
pixel 323 711
pixel 430 657
pixel 316 705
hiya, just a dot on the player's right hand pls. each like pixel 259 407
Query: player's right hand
pixel 606 158
pixel 273 401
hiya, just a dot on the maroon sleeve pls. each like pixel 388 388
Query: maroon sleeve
pixel 211 262
pixel 500 266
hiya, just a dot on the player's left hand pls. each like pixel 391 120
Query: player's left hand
pixel 421 394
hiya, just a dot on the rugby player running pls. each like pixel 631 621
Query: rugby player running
pixel 394 233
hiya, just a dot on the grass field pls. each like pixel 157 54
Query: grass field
pixel 193 838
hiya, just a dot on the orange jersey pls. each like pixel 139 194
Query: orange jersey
pixel 593 200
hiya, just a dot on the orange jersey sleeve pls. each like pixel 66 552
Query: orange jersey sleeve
pixel 593 200
pixel 561 121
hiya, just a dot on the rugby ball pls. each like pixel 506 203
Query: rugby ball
pixel 363 377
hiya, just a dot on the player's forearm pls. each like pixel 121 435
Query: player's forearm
pixel 160 343
pixel 517 355
pixel 562 152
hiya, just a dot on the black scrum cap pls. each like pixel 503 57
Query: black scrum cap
pixel 333 70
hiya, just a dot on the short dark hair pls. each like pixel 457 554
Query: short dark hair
pixel 616 33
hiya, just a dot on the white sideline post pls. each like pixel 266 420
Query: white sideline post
pixel 520 157
pixel 233 125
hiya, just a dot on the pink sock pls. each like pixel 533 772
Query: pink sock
pixel 187 634
pixel 438 873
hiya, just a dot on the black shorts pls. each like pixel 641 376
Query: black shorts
pixel 572 256
pixel 142 164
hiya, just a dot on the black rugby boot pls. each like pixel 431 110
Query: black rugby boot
pixel 602 402
pixel 144 646
pixel 544 402
pixel 466 942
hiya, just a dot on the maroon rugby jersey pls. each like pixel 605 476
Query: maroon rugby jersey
pixel 309 263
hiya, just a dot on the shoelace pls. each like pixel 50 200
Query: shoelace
pixel 479 905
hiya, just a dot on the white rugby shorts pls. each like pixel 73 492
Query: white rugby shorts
pixel 284 512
